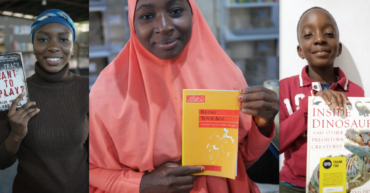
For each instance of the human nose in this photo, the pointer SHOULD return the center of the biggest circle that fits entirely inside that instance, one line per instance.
(53, 46)
(320, 38)
(164, 24)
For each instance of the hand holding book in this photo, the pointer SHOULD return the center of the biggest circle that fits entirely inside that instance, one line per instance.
(262, 104)
(335, 97)
(170, 177)
(18, 121)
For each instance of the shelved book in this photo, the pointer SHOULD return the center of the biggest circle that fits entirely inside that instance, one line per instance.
(338, 147)
(210, 131)
(12, 80)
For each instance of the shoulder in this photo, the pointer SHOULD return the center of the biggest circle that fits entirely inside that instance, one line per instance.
(81, 80)
(111, 81)
(289, 82)
(355, 90)
(82, 84)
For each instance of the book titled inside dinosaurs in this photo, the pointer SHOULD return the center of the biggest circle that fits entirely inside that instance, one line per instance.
(210, 131)
(338, 146)
(12, 80)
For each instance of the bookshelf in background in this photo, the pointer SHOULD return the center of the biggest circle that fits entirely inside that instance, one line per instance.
(2, 39)
(20, 41)
(108, 33)
(252, 1)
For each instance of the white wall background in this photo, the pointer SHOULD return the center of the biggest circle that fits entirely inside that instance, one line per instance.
(353, 22)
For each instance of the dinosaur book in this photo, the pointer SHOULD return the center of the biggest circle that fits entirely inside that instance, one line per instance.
(338, 147)
(12, 80)
(210, 131)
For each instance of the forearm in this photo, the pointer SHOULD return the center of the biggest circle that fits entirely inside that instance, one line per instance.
(7, 159)
(125, 180)
(292, 128)
(13, 143)
(255, 145)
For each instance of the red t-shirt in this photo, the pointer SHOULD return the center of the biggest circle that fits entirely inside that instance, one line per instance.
(294, 92)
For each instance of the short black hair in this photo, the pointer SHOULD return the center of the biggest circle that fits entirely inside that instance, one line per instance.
(312, 9)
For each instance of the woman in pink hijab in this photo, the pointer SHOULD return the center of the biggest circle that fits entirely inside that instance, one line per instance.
(136, 105)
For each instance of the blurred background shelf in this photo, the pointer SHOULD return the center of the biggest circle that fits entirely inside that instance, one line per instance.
(97, 6)
(260, 22)
(251, 34)
(109, 33)
(251, 4)
(100, 51)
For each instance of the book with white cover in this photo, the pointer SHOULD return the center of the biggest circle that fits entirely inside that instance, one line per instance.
(12, 80)
(334, 134)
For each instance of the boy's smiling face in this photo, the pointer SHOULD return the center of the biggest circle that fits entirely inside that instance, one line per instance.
(318, 38)
(163, 27)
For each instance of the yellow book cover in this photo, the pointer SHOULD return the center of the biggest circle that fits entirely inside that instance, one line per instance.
(210, 125)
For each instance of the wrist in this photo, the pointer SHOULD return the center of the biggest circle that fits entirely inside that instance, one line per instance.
(266, 130)
(15, 138)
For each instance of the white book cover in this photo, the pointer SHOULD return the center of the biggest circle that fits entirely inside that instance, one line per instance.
(12, 80)
(337, 134)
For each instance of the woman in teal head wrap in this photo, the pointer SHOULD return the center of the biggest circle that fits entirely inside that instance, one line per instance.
(48, 135)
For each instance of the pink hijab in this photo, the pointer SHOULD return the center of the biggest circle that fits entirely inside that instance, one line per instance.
(136, 108)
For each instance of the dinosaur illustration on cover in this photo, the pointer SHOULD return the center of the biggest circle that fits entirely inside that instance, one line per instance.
(357, 164)
(362, 110)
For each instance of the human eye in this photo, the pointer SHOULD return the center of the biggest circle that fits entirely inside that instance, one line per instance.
(42, 39)
(176, 11)
(330, 34)
(307, 36)
(146, 16)
(64, 39)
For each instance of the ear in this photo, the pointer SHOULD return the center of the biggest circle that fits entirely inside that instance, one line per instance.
(300, 52)
(339, 49)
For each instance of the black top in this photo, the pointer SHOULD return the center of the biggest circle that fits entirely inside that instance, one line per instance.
(53, 156)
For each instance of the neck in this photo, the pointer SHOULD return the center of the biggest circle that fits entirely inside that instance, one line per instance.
(323, 75)
(44, 77)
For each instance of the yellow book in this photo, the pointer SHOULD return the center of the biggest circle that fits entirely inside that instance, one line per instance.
(210, 125)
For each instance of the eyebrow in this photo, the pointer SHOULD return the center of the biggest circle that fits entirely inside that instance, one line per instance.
(170, 2)
(326, 25)
(149, 5)
(43, 32)
(60, 33)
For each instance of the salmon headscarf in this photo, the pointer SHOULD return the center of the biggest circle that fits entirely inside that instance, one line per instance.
(136, 108)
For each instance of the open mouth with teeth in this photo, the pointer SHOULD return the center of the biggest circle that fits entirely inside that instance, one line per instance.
(53, 59)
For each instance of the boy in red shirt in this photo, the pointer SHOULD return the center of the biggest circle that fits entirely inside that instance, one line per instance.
(318, 38)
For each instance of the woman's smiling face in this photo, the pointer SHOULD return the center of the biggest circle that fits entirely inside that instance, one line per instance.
(53, 46)
(163, 27)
